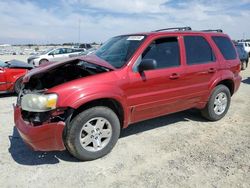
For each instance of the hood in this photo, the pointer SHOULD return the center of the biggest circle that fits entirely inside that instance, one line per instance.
(90, 59)
(18, 64)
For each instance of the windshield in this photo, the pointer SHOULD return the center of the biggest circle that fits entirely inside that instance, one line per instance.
(46, 51)
(118, 50)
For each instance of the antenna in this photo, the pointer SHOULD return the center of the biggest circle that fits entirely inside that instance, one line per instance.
(79, 31)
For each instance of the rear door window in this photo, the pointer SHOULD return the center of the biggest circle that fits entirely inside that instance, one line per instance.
(198, 50)
(225, 46)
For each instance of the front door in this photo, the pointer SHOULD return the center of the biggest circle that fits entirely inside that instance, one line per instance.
(157, 92)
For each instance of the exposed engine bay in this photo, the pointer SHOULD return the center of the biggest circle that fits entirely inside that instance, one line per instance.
(65, 73)
(39, 83)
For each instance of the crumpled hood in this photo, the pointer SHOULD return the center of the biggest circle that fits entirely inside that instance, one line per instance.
(90, 59)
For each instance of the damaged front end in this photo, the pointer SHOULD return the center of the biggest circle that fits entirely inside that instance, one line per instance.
(38, 117)
(38, 108)
(38, 104)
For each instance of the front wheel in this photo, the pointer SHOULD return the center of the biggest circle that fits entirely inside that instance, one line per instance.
(92, 133)
(218, 103)
(43, 61)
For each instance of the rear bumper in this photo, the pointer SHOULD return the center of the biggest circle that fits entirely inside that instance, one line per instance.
(46, 137)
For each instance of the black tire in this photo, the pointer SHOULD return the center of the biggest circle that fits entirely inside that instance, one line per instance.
(209, 112)
(243, 65)
(74, 130)
(18, 85)
(43, 61)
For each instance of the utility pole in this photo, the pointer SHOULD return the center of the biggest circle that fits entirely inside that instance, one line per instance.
(79, 31)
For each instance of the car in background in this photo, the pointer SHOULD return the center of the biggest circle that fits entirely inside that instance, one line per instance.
(246, 46)
(86, 52)
(83, 46)
(243, 55)
(11, 74)
(52, 55)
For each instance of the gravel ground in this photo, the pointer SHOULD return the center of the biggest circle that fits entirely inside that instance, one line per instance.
(179, 150)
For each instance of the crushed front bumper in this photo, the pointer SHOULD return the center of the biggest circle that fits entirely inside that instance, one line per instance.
(46, 137)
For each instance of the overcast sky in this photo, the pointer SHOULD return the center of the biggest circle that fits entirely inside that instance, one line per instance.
(57, 21)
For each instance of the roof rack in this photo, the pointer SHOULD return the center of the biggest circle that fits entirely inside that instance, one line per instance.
(213, 30)
(175, 28)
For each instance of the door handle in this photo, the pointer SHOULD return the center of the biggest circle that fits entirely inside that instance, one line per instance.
(174, 76)
(211, 70)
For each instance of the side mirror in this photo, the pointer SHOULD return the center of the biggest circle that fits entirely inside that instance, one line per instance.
(147, 64)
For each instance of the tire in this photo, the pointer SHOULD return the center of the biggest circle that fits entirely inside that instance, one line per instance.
(243, 65)
(215, 108)
(82, 133)
(43, 61)
(18, 85)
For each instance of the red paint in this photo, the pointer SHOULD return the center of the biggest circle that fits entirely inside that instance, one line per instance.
(47, 137)
(158, 92)
(8, 77)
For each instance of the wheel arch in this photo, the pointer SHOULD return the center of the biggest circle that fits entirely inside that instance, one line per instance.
(42, 59)
(111, 103)
(228, 83)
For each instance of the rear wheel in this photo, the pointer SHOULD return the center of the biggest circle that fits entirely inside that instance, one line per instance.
(92, 133)
(218, 103)
(18, 85)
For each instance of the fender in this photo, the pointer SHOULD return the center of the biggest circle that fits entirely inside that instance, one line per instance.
(224, 75)
(12, 77)
(88, 94)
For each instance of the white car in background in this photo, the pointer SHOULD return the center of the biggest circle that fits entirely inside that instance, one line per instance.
(246, 46)
(53, 55)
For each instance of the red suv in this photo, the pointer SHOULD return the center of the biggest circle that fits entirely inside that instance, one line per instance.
(83, 103)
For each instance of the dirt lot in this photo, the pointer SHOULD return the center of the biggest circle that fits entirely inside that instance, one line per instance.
(179, 150)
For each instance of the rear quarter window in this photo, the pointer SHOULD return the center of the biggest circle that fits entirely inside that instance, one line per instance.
(225, 46)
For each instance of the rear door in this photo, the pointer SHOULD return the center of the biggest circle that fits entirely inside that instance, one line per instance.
(58, 55)
(201, 66)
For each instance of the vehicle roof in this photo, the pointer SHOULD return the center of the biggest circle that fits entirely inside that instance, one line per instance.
(154, 33)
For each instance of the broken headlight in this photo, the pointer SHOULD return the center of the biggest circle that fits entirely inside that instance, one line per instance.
(39, 102)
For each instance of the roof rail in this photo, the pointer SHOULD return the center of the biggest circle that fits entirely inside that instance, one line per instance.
(175, 28)
(213, 30)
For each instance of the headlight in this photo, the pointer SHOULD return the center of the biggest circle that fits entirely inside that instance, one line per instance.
(39, 102)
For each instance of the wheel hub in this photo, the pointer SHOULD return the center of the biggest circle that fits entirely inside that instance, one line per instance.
(95, 134)
(220, 103)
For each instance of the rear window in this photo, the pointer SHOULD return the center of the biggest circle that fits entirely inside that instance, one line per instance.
(198, 51)
(226, 47)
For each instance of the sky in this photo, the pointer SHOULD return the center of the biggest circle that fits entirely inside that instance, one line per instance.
(59, 21)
